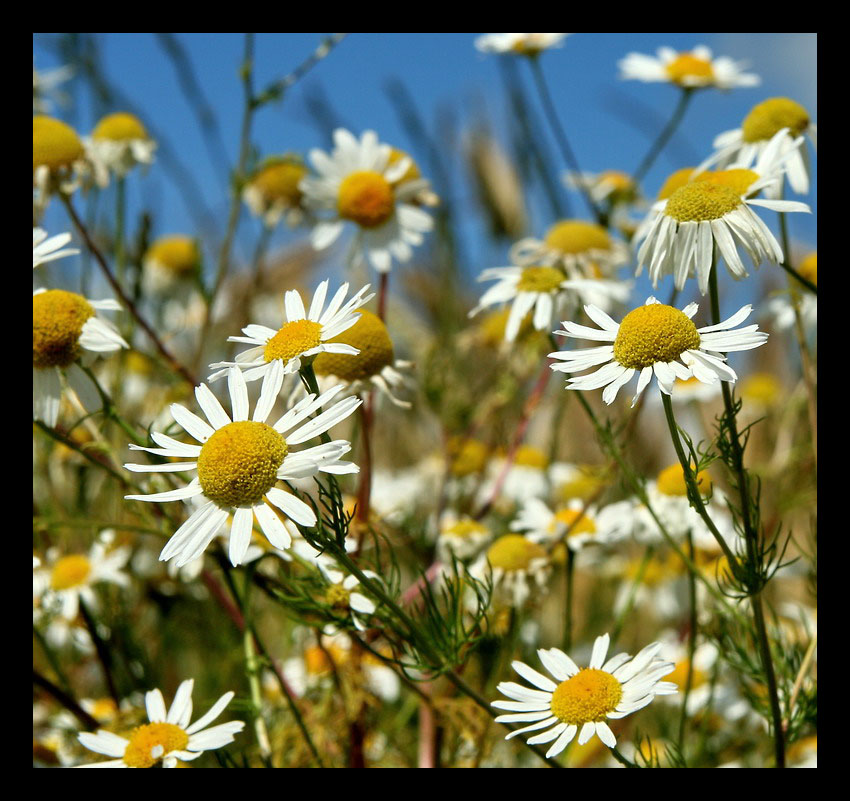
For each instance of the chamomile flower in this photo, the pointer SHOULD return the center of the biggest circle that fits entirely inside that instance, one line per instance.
(358, 182)
(374, 366)
(273, 192)
(460, 536)
(590, 526)
(170, 260)
(45, 250)
(514, 564)
(344, 597)
(695, 69)
(45, 87)
(654, 339)
(712, 214)
(614, 187)
(240, 461)
(580, 700)
(119, 142)
(782, 309)
(168, 738)
(776, 116)
(524, 44)
(302, 335)
(581, 249)
(66, 330)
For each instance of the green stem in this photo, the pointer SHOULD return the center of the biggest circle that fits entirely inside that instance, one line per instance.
(568, 606)
(630, 600)
(692, 644)
(664, 136)
(621, 759)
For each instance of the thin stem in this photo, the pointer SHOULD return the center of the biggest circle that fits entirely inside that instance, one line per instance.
(692, 644)
(664, 136)
(102, 652)
(630, 600)
(568, 602)
(88, 721)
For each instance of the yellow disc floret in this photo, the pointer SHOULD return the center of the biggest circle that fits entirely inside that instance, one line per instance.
(588, 697)
(338, 597)
(687, 69)
(177, 254)
(70, 571)
(514, 552)
(581, 524)
(701, 200)
(54, 144)
(576, 236)
(529, 456)
(238, 464)
(151, 742)
(540, 279)
(739, 180)
(654, 333)
(771, 116)
(120, 127)
(675, 181)
(412, 173)
(468, 456)
(679, 675)
(465, 529)
(761, 388)
(671, 481)
(370, 336)
(809, 268)
(293, 339)
(278, 182)
(58, 318)
(367, 198)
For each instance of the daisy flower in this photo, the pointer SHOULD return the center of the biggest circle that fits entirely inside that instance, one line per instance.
(374, 366)
(45, 250)
(240, 461)
(119, 142)
(524, 44)
(45, 87)
(303, 334)
(649, 341)
(344, 597)
(589, 526)
(580, 700)
(359, 183)
(65, 330)
(695, 69)
(776, 116)
(168, 738)
(614, 187)
(273, 192)
(782, 309)
(460, 536)
(513, 563)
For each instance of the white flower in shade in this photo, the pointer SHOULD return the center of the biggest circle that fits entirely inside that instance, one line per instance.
(360, 183)
(712, 215)
(580, 700)
(654, 339)
(65, 331)
(693, 69)
(119, 142)
(45, 250)
(302, 335)
(273, 192)
(610, 186)
(45, 87)
(777, 116)
(589, 526)
(460, 536)
(168, 738)
(343, 596)
(240, 461)
(581, 249)
(525, 44)
(170, 261)
(513, 563)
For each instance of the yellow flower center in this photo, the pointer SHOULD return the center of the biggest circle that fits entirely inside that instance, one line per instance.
(671, 481)
(58, 318)
(293, 339)
(54, 144)
(701, 200)
(316, 659)
(120, 127)
(540, 279)
(575, 236)
(588, 697)
(492, 327)
(470, 456)
(679, 676)
(70, 571)
(809, 268)
(238, 464)
(582, 524)
(412, 173)
(687, 65)
(279, 182)
(178, 254)
(771, 116)
(151, 742)
(622, 186)
(337, 596)
(675, 181)
(529, 456)
(762, 388)
(738, 180)
(658, 571)
(367, 198)
(103, 709)
(654, 333)
(370, 335)
(466, 529)
(514, 552)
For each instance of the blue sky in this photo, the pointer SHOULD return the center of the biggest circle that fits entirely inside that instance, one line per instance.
(447, 78)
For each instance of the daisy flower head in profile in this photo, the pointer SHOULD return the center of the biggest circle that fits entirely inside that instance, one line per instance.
(654, 339)
(119, 142)
(711, 214)
(344, 596)
(303, 335)
(523, 44)
(66, 332)
(273, 193)
(169, 737)
(359, 182)
(581, 700)
(170, 260)
(239, 462)
(776, 116)
(695, 69)
(514, 564)
(46, 249)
